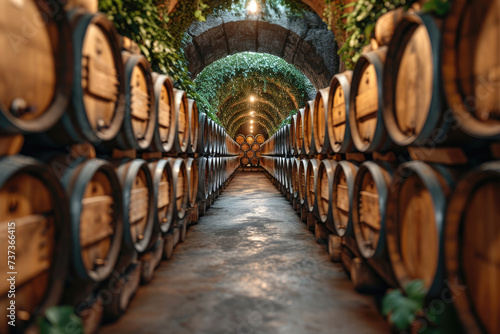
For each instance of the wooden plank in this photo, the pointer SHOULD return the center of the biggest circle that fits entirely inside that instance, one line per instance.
(140, 102)
(447, 156)
(163, 194)
(369, 210)
(164, 115)
(96, 220)
(367, 104)
(102, 79)
(343, 197)
(340, 115)
(139, 204)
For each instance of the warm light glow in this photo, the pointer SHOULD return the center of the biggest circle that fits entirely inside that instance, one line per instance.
(253, 7)
(252, 99)
(251, 121)
(253, 112)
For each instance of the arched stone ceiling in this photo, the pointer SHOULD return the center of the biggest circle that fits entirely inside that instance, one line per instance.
(302, 41)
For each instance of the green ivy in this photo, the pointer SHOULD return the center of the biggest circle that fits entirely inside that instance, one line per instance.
(230, 81)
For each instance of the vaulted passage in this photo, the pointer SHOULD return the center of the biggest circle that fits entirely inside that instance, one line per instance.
(249, 266)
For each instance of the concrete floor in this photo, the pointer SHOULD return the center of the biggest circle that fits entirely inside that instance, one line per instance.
(250, 266)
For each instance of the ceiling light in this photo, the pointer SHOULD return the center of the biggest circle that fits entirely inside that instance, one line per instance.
(253, 112)
(253, 7)
(252, 99)
(251, 121)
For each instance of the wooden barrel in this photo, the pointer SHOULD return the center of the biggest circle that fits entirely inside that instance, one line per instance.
(259, 138)
(289, 174)
(192, 177)
(308, 122)
(163, 138)
(311, 184)
(413, 106)
(325, 189)
(472, 250)
(386, 25)
(303, 181)
(161, 173)
(371, 192)
(299, 132)
(470, 66)
(339, 132)
(202, 127)
(139, 122)
(295, 177)
(245, 147)
(255, 147)
(240, 139)
(320, 122)
(97, 217)
(241, 153)
(254, 161)
(193, 126)
(288, 140)
(203, 179)
(36, 71)
(250, 154)
(181, 139)
(250, 139)
(35, 214)
(98, 93)
(415, 221)
(208, 136)
(365, 115)
(342, 193)
(180, 185)
(293, 136)
(211, 175)
(244, 161)
(139, 205)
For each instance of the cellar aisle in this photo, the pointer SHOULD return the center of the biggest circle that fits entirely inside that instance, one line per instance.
(250, 266)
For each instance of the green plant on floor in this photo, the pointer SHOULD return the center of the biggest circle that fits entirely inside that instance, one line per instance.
(409, 306)
(60, 320)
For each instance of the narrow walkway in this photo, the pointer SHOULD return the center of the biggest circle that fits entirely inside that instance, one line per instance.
(248, 267)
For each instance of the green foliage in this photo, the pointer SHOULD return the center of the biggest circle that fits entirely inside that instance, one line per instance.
(360, 24)
(145, 22)
(230, 81)
(402, 308)
(60, 320)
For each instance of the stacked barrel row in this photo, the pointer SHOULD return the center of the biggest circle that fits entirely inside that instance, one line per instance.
(394, 163)
(249, 152)
(105, 163)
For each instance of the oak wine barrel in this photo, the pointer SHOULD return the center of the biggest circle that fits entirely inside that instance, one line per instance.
(250, 154)
(342, 194)
(308, 128)
(299, 132)
(36, 72)
(325, 190)
(139, 205)
(244, 161)
(295, 177)
(163, 138)
(255, 147)
(139, 122)
(240, 139)
(202, 128)
(320, 122)
(293, 136)
(180, 186)
(98, 93)
(339, 131)
(161, 173)
(208, 136)
(193, 126)
(387, 24)
(33, 212)
(289, 175)
(181, 139)
(254, 161)
(192, 178)
(250, 139)
(365, 115)
(302, 181)
(415, 221)
(245, 147)
(311, 184)
(472, 252)
(470, 66)
(371, 192)
(412, 91)
(289, 139)
(241, 153)
(97, 218)
(203, 179)
(260, 138)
